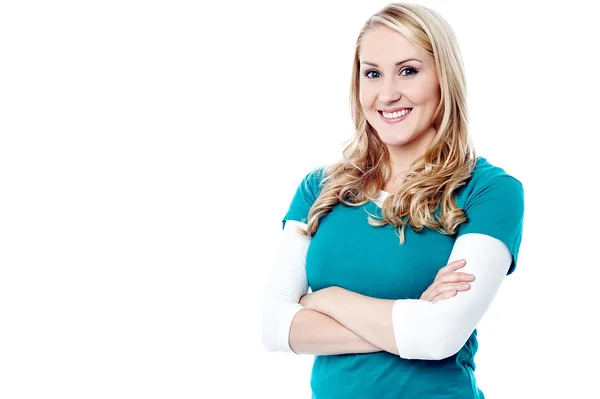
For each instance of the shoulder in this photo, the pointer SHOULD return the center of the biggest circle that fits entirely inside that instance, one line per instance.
(490, 181)
(493, 202)
(313, 180)
(486, 173)
(306, 194)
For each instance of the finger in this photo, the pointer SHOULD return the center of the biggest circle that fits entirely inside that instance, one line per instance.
(452, 289)
(444, 283)
(429, 297)
(429, 292)
(463, 287)
(455, 277)
(449, 277)
(441, 288)
(452, 266)
(445, 295)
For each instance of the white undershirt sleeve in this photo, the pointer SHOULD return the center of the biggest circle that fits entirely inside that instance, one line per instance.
(423, 330)
(287, 283)
(436, 330)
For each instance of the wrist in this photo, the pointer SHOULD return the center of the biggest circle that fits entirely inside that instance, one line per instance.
(329, 299)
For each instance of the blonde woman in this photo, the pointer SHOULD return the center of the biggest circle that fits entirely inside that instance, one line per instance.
(405, 241)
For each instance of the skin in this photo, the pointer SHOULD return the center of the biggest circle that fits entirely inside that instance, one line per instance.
(412, 84)
(371, 318)
(357, 323)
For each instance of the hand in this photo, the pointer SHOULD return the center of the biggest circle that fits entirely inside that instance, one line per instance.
(447, 283)
(315, 300)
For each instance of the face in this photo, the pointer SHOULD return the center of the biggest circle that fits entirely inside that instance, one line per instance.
(388, 83)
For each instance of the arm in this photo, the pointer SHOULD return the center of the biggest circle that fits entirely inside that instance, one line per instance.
(418, 329)
(284, 326)
(489, 241)
(315, 333)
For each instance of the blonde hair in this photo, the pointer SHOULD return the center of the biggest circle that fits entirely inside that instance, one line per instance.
(433, 177)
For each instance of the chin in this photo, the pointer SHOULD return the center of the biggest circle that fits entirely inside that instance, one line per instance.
(396, 139)
(397, 143)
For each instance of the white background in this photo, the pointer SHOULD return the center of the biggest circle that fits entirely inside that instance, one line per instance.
(150, 149)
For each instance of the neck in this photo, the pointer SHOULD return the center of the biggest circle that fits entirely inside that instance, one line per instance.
(402, 157)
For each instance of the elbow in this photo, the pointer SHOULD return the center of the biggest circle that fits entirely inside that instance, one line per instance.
(444, 346)
(268, 334)
(448, 340)
(272, 335)
(277, 316)
(436, 347)
(268, 342)
(426, 331)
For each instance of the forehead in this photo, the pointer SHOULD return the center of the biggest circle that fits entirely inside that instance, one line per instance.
(383, 45)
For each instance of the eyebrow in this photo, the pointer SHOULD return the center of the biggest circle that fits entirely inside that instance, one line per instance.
(397, 63)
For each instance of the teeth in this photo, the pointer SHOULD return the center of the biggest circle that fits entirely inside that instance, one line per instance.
(395, 115)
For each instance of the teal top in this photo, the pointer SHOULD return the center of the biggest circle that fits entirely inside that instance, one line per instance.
(348, 252)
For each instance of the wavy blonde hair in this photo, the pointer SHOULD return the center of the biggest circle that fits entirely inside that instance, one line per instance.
(433, 177)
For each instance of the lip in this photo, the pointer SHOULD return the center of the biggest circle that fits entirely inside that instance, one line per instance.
(394, 109)
(392, 121)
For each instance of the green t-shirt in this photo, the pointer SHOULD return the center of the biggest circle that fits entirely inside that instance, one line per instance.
(348, 252)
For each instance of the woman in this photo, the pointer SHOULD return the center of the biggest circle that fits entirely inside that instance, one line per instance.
(405, 241)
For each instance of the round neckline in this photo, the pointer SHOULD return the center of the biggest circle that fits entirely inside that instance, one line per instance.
(381, 196)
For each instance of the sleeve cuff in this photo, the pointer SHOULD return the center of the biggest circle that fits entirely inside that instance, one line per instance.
(288, 317)
(278, 313)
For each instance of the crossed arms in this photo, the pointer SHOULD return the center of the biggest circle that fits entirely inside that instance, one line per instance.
(348, 322)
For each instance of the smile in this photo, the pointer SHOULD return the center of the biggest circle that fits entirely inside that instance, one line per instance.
(394, 120)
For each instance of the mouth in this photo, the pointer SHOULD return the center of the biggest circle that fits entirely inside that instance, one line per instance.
(399, 116)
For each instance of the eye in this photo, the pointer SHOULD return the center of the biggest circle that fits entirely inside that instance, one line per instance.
(409, 69)
(413, 72)
(368, 72)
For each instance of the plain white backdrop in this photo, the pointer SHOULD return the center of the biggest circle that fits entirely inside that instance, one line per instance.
(149, 150)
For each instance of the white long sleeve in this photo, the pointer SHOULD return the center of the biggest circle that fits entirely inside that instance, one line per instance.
(287, 283)
(423, 329)
(436, 330)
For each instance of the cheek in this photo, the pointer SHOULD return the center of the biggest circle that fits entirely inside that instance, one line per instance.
(433, 95)
(363, 98)
(424, 93)
(366, 97)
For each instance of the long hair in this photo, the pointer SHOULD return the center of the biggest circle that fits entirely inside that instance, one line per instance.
(447, 162)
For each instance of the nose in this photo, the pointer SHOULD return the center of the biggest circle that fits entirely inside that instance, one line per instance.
(389, 91)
